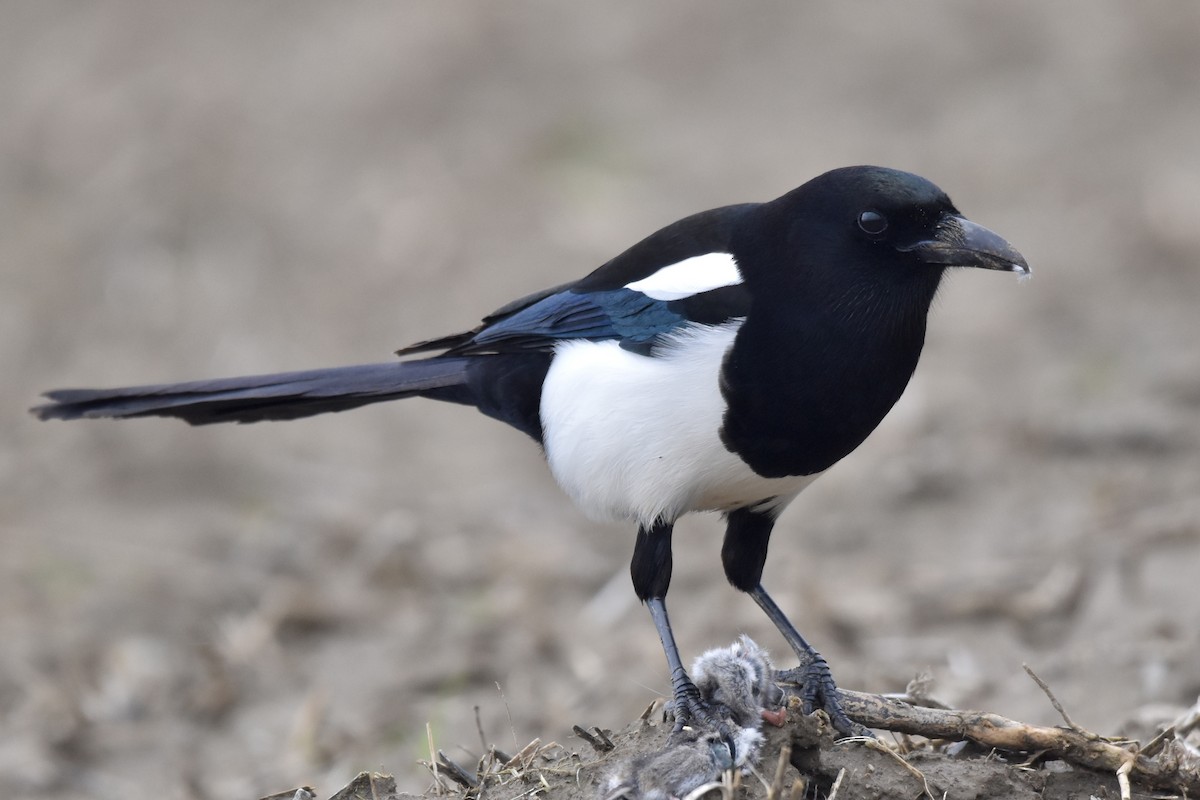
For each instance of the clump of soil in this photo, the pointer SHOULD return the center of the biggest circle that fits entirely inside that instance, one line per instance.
(805, 759)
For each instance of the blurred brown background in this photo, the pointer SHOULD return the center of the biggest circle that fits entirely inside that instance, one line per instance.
(198, 189)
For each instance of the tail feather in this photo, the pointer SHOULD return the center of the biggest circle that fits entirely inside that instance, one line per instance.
(285, 395)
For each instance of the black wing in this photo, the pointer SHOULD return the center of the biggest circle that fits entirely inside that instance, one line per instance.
(620, 300)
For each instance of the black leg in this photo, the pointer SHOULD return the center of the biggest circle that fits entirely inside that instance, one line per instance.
(743, 554)
(747, 534)
(684, 694)
(651, 571)
(651, 565)
(818, 689)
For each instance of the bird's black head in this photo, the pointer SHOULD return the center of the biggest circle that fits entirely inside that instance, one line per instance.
(863, 226)
(841, 273)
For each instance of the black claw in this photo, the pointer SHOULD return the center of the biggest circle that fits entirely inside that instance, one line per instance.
(690, 710)
(689, 706)
(818, 690)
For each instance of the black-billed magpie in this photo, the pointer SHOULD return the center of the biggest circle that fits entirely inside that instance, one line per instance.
(720, 364)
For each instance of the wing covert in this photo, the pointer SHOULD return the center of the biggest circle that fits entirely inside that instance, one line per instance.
(684, 273)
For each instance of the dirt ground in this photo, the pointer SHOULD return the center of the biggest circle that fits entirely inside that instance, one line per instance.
(201, 189)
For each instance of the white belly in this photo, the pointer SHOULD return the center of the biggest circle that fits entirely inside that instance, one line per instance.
(637, 438)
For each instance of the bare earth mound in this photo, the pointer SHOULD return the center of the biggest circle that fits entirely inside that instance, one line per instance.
(923, 751)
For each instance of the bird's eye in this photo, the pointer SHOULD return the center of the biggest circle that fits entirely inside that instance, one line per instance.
(872, 222)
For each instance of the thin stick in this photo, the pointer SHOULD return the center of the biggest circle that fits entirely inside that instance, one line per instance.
(700, 791)
(508, 713)
(1123, 778)
(602, 736)
(1155, 744)
(785, 758)
(837, 784)
(1062, 712)
(456, 772)
(875, 744)
(433, 760)
(599, 745)
(479, 727)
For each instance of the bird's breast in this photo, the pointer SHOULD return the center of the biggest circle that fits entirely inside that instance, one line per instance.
(631, 436)
(803, 392)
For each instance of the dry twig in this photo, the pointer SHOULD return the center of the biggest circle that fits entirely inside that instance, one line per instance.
(775, 790)
(1173, 768)
(878, 746)
(597, 738)
(456, 772)
(837, 784)
(1062, 712)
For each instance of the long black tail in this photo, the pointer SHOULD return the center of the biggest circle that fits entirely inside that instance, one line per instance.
(286, 395)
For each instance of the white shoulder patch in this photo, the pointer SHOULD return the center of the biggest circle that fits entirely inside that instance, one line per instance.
(688, 277)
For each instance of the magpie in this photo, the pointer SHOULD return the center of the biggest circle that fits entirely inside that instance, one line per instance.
(720, 364)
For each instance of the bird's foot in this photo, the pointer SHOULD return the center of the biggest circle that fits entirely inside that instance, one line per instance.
(689, 707)
(819, 691)
(692, 711)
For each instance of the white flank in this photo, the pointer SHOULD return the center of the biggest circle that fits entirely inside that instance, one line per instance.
(635, 437)
(690, 276)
